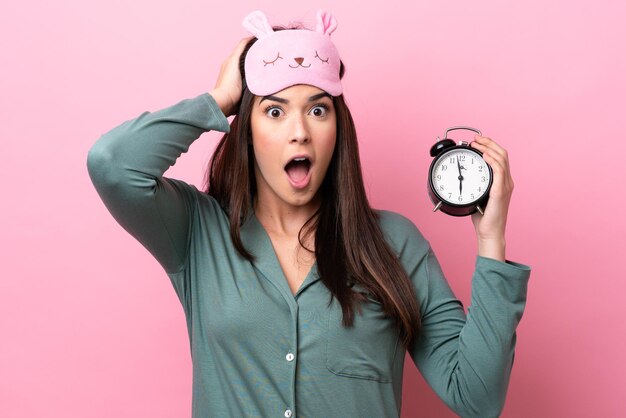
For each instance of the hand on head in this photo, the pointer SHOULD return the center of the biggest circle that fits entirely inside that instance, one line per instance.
(228, 87)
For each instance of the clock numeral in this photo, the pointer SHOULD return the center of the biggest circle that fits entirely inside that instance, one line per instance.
(449, 195)
(472, 161)
(483, 179)
(480, 168)
(441, 187)
(479, 189)
(451, 160)
(444, 167)
(460, 198)
(472, 196)
(462, 157)
(438, 176)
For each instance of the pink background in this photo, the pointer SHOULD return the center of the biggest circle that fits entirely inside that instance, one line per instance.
(89, 323)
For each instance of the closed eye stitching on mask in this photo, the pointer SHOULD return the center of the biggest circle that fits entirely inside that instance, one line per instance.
(323, 60)
(272, 62)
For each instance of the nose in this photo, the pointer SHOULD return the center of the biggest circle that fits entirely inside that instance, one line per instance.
(299, 130)
(299, 60)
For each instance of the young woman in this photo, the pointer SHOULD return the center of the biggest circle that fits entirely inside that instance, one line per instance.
(300, 299)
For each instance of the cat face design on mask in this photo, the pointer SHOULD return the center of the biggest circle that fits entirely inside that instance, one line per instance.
(297, 61)
(280, 59)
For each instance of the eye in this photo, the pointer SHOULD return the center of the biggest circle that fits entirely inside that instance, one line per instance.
(321, 59)
(319, 110)
(275, 59)
(274, 112)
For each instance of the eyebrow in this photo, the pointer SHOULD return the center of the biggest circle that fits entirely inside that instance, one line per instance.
(285, 101)
(319, 96)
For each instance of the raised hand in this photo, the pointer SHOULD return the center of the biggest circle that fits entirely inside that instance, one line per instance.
(228, 87)
(490, 227)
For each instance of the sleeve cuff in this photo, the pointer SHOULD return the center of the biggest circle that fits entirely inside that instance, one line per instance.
(495, 281)
(217, 117)
(507, 267)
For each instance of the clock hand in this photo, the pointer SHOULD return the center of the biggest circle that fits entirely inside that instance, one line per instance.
(458, 164)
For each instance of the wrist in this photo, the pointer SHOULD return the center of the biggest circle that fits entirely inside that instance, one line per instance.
(223, 101)
(492, 248)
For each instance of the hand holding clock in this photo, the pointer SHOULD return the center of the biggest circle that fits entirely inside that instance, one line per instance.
(490, 227)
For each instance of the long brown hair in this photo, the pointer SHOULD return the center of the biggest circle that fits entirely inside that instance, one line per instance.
(350, 245)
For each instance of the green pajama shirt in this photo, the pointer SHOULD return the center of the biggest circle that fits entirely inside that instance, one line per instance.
(257, 349)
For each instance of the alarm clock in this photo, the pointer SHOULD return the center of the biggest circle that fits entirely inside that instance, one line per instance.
(459, 179)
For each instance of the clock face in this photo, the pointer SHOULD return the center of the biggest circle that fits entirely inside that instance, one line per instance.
(460, 176)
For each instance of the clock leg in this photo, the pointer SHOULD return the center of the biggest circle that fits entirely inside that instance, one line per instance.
(437, 207)
(479, 209)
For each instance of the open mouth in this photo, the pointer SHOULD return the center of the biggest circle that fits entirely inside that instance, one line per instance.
(298, 168)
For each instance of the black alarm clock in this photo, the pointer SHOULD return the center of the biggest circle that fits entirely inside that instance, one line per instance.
(459, 179)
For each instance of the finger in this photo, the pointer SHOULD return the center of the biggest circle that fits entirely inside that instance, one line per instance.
(242, 43)
(241, 46)
(484, 144)
(497, 163)
(494, 161)
(501, 173)
(502, 157)
(490, 143)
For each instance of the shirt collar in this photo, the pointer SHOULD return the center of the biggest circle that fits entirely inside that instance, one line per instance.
(256, 240)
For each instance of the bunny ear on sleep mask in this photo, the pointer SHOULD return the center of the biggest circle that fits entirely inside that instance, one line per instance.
(326, 22)
(257, 24)
(283, 58)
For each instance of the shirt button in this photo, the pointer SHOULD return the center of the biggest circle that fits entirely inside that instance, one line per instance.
(289, 357)
(288, 413)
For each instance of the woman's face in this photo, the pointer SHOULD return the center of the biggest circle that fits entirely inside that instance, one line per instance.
(293, 136)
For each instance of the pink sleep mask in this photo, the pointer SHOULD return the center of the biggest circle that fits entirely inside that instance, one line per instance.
(284, 58)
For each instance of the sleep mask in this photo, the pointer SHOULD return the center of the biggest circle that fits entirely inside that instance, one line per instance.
(280, 59)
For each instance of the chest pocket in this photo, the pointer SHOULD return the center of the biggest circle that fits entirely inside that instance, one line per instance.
(366, 350)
